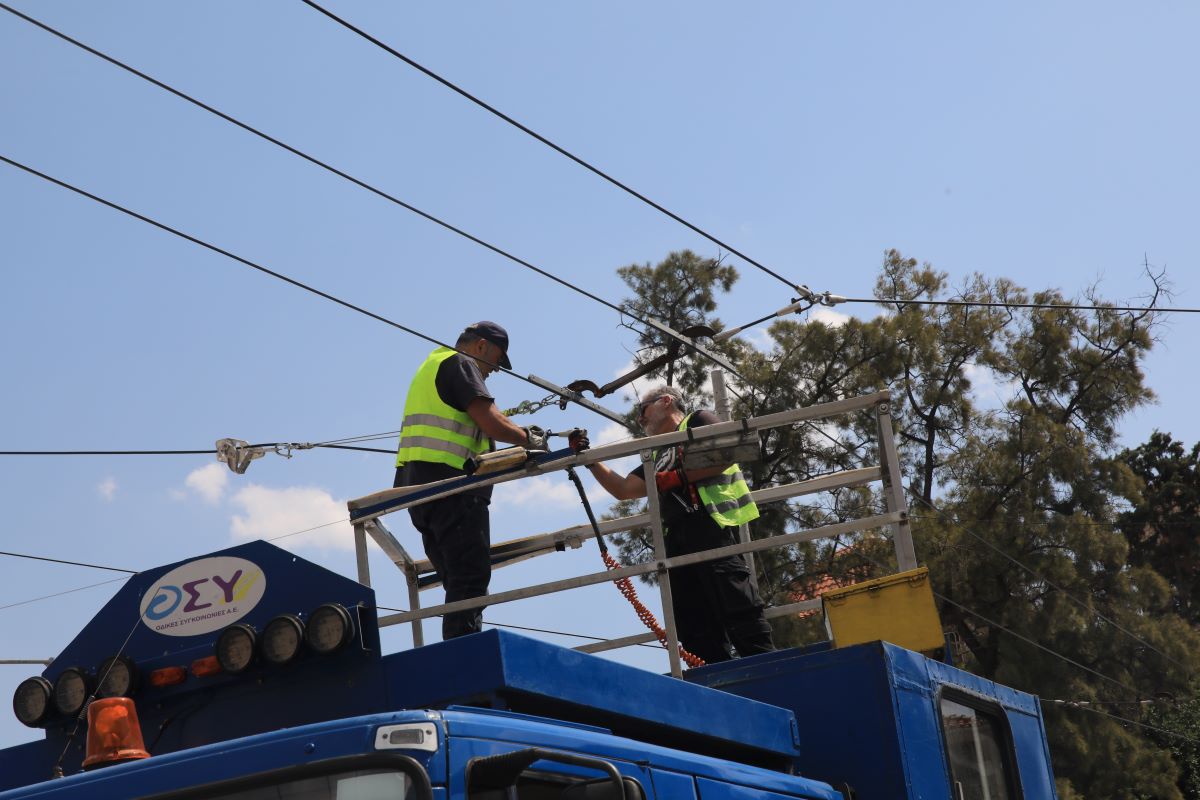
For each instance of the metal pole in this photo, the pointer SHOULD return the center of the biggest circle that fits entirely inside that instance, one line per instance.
(721, 401)
(414, 602)
(720, 395)
(893, 490)
(660, 553)
(360, 555)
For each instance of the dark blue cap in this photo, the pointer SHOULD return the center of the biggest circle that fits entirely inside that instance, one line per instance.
(493, 333)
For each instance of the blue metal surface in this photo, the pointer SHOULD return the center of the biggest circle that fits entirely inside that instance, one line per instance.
(510, 671)
(219, 707)
(226, 760)
(462, 735)
(869, 717)
(523, 731)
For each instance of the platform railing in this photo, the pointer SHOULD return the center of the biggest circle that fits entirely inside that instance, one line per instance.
(366, 513)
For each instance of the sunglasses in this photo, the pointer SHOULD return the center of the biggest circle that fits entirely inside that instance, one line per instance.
(642, 406)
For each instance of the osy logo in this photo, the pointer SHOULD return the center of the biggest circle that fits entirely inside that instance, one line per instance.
(203, 596)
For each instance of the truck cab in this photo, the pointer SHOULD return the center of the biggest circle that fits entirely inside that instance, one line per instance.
(242, 690)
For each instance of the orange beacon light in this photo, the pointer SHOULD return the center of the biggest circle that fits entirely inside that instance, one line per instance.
(114, 734)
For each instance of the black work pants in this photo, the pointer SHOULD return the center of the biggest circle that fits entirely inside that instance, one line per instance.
(716, 606)
(457, 536)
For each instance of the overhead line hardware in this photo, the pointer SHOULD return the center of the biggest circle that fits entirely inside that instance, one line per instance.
(572, 396)
(313, 160)
(667, 357)
(562, 151)
(998, 304)
(807, 300)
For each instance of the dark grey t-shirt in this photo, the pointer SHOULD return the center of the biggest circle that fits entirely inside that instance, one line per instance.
(458, 383)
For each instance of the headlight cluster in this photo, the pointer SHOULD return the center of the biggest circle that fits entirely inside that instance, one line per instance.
(330, 628)
(37, 700)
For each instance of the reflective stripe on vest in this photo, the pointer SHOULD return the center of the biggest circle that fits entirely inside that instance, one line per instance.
(726, 497)
(433, 430)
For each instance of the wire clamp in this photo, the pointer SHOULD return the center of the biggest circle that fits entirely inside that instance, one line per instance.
(237, 454)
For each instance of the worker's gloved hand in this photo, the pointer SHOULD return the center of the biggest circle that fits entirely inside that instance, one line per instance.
(578, 441)
(668, 481)
(536, 438)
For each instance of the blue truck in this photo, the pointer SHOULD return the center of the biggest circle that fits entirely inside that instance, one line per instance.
(251, 673)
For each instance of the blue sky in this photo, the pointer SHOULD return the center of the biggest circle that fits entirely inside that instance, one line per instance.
(1053, 144)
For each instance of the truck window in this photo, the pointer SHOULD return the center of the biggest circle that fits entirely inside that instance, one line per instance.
(365, 784)
(977, 751)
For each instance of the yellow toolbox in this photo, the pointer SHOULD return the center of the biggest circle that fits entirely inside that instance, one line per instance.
(898, 609)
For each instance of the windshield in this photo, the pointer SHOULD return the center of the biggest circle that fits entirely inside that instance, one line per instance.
(367, 784)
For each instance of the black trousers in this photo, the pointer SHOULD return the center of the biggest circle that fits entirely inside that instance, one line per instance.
(716, 606)
(457, 536)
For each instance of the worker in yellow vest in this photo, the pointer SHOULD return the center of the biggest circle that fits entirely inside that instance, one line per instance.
(449, 416)
(716, 605)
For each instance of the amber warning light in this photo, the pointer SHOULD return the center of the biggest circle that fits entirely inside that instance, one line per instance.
(114, 735)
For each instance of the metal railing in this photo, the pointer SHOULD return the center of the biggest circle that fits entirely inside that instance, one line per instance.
(366, 513)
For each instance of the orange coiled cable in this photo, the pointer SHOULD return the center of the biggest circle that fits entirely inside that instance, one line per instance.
(625, 585)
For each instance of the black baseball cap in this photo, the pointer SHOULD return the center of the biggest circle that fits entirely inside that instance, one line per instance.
(493, 333)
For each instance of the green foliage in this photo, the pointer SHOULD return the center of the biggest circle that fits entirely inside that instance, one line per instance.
(1015, 492)
(1163, 527)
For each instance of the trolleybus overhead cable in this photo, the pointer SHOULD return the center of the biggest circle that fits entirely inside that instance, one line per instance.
(1001, 304)
(63, 561)
(567, 395)
(562, 151)
(649, 323)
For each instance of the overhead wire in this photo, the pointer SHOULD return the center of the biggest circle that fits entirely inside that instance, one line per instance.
(1030, 570)
(247, 262)
(465, 234)
(178, 452)
(340, 173)
(63, 561)
(562, 151)
(534, 630)
(60, 594)
(1000, 304)
(1083, 707)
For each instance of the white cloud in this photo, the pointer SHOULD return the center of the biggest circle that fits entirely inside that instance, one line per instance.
(541, 492)
(107, 489)
(760, 338)
(209, 482)
(834, 319)
(990, 393)
(268, 513)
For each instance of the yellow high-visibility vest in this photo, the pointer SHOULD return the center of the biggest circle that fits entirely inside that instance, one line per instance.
(432, 430)
(726, 497)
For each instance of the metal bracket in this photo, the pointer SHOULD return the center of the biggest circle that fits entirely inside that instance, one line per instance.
(577, 398)
(718, 359)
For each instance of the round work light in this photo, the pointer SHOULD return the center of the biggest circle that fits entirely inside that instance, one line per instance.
(330, 628)
(71, 691)
(281, 639)
(31, 701)
(235, 648)
(118, 677)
